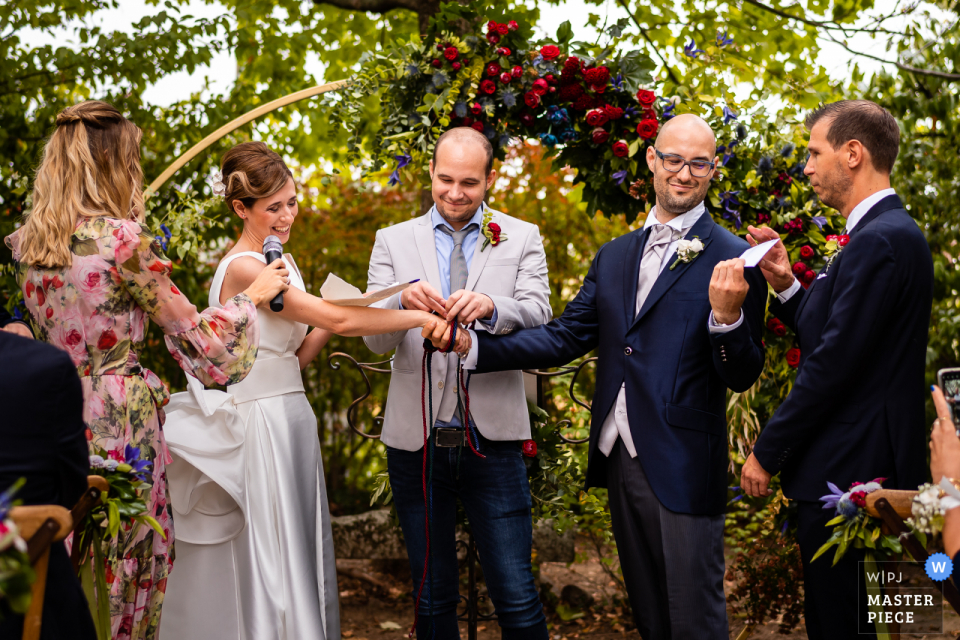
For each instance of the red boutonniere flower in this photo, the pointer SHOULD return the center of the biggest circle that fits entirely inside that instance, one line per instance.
(492, 233)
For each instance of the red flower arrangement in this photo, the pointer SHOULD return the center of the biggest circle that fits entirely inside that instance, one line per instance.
(806, 252)
(599, 135)
(597, 118)
(532, 99)
(488, 87)
(550, 52)
(621, 149)
(451, 53)
(793, 357)
(647, 128)
(493, 69)
(646, 98)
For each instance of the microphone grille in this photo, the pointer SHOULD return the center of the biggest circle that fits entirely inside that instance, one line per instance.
(272, 243)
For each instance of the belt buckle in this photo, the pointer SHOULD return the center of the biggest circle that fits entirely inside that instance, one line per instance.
(448, 437)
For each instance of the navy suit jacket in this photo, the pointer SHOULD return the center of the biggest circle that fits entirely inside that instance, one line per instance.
(856, 411)
(42, 439)
(676, 372)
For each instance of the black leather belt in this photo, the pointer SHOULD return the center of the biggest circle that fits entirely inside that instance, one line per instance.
(449, 437)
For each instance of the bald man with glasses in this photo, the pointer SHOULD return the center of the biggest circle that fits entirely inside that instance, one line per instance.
(672, 335)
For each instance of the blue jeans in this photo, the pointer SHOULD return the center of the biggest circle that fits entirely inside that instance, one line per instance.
(496, 498)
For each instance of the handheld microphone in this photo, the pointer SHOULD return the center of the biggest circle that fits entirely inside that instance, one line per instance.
(272, 251)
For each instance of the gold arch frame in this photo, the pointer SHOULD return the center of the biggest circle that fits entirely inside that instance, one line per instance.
(236, 124)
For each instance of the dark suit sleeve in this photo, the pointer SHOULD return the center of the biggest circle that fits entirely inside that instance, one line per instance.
(72, 461)
(863, 299)
(738, 355)
(554, 344)
(786, 312)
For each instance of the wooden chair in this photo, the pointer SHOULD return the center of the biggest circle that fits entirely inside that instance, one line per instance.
(40, 526)
(96, 486)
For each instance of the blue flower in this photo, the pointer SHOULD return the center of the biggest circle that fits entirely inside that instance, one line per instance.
(509, 99)
(460, 109)
(797, 169)
(618, 82)
(728, 115)
(568, 135)
(619, 176)
(402, 161)
(140, 468)
(538, 60)
(557, 115)
(548, 139)
(723, 39)
(788, 150)
(731, 207)
(846, 507)
(18, 312)
(413, 70)
(831, 500)
(727, 157)
(632, 111)
(819, 221)
(439, 79)
(741, 132)
(765, 164)
(668, 113)
(164, 240)
(691, 49)
(490, 132)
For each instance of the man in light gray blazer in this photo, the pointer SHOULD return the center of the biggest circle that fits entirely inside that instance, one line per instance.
(502, 286)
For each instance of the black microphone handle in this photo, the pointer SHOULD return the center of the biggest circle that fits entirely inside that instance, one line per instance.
(276, 304)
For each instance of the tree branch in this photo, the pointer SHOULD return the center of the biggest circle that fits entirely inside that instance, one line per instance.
(898, 65)
(818, 23)
(643, 32)
(374, 6)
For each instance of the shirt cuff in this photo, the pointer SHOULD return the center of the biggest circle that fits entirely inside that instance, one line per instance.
(470, 362)
(492, 322)
(789, 292)
(723, 328)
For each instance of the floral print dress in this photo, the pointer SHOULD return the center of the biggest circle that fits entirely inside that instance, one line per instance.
(96, 310)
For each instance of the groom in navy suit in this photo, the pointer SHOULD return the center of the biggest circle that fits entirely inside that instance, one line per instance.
(856, 411)
(673, 335)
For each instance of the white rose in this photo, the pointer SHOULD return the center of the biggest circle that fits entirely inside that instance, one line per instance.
(696, 245)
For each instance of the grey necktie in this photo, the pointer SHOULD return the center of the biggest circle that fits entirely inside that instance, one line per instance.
(458, 262)
(659, 239)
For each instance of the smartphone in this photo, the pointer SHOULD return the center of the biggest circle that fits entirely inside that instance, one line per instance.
(949, 382)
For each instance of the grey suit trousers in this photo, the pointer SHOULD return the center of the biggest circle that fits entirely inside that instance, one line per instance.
(672, 563)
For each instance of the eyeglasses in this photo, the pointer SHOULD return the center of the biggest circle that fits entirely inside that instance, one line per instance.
(674, 164)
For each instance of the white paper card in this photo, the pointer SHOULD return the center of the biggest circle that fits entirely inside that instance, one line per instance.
(754, 255)
(338, 291)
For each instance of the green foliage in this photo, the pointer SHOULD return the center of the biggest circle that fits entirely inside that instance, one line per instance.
(16, 574)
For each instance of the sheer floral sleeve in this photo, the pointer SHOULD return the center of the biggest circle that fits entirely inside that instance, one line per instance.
(218, 346)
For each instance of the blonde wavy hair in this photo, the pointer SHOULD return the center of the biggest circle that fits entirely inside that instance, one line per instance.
(90, 168)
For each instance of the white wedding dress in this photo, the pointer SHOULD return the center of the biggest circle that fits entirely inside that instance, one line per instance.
(254, 548)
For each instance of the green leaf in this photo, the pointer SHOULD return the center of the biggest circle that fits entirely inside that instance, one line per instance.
(564, 33)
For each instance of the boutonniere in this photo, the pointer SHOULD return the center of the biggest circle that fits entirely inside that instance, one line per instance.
(832, 249)
(687, 251)
(492, 233)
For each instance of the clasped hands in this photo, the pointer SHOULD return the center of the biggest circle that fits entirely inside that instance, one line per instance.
(462, 307)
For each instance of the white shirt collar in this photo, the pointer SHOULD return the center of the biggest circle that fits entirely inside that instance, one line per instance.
(681, 223)
(865, 205)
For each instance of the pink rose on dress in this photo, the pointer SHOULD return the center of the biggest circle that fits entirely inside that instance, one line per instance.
(69, 335)
(128, 241)
(90, 279)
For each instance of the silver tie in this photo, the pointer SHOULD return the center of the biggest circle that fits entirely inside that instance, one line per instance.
(458, 262)
(659, 239)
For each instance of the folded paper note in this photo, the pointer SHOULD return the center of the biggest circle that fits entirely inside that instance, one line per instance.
(754, 255)
(337, 291)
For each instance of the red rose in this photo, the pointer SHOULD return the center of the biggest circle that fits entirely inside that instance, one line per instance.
(456, 66)
(451, 53)
(806, 252)
(436, 62)
(478, 126)
(491, 26)
(529, 448)
(532, 99)
(646, 98)
(570, 92)
(599, 135)
(649, 114)
(571, 64)
(517, 71)
(488, 87)
(550, 52)
(597, 118)
(504, 51)
(505, 77)
(493, 69)
(467, 121)
(799, 268)
(527, 119)
(613, 113)
(553, 89)
(583, 102)
(647, 128)
(476, 109)
(73, 338)
(809, 276)
(540, 86)
(843, 240)
(832, 237)
(502, 29)
(621, 149)
(597, 76)
(772, 324)
(107, 340)
(29, 289)
(512, 25)
(493, 38)
(793, 357)
(439, 47)
(495, 232)
(781, 330)
(41, 297)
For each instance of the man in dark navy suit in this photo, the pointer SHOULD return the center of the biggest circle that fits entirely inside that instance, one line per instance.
(42, 436)
(673, 335)
(856, 411)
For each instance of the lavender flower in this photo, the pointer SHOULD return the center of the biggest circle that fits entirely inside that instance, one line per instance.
(402, 161)
(619, 176)
(731, 207)
(139, 468)
(765, 164)
(723, 39)
(164, 240)
(728, 115)
(788, 150)
(509, 98)
(691, 50)
(819, 221)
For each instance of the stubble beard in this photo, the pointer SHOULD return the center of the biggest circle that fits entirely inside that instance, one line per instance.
(467, 215)
(672, 205)
(835, 187)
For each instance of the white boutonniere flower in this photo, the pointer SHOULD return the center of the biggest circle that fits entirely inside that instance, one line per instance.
(687, 251)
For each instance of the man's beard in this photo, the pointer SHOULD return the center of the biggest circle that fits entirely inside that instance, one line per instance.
(465, 217)
(670, 203)
(834, 188)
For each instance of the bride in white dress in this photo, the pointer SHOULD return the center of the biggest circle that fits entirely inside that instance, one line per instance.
(254, 551)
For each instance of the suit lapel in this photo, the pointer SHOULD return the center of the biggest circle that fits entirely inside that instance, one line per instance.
(480, 257)
(667, 278)
(887, 204)
(631, 271)
(427, 249)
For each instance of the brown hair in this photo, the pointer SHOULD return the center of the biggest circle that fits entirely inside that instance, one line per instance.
(466, 133)
(90, 168)
(867, 122)
(252, 171)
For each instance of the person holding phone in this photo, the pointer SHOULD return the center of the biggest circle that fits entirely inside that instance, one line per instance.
(945, 463)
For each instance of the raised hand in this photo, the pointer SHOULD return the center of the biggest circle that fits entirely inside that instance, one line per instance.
(776, 264)
(944, 444)
(421, 295)
(466, 306)
(728, 289)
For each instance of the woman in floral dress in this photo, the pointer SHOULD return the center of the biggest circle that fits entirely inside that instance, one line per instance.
(91, 276)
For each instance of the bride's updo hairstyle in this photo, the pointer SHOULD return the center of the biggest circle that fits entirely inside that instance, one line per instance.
(251, 170)
(90, 167)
